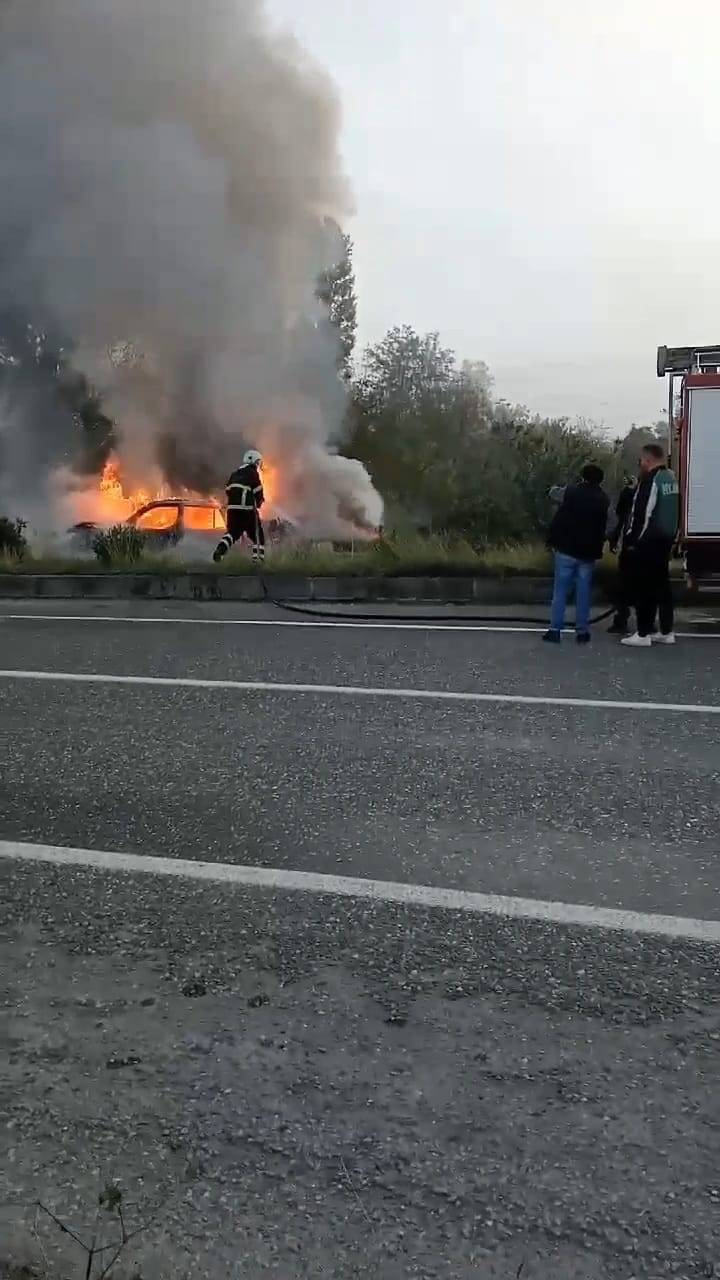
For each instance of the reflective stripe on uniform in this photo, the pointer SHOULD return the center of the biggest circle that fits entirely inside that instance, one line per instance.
(246, 493)
(247, 501)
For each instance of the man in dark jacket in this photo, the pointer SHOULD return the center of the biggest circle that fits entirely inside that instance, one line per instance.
(625, 597)
(649, 539)
(245, 497)
(577, 536)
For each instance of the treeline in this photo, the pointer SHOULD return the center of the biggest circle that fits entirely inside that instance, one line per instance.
(444, 452)
(447, 455)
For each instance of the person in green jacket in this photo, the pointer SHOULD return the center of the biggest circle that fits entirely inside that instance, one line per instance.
(649, 540)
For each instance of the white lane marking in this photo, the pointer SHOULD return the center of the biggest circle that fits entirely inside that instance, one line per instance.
(343, 622)
(417, 895)
(271, 622)
(359, 691)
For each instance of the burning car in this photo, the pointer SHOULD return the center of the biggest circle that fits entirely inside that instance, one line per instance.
(195, 522)
(170, 518)
(165, 522)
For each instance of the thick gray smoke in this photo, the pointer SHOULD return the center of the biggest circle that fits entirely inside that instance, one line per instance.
(170, 172)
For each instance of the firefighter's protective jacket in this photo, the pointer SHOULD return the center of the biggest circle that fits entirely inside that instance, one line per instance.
(655, 509)
(244, 490)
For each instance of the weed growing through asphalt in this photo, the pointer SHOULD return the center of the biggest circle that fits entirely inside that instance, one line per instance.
(111, 1234)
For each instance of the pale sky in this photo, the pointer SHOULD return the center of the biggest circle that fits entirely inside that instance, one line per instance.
(536, 179)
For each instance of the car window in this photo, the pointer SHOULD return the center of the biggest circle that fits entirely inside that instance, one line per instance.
(158, 518)
(199, 519)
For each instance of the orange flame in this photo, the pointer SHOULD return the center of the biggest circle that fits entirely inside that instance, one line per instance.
(269, 478)
(111, 503)
(114, 503)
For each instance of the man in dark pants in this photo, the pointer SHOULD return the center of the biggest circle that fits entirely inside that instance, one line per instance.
(649, 541)
(625, 589)
(245, 497)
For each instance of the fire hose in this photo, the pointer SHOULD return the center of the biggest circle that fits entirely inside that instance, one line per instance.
(338, 616)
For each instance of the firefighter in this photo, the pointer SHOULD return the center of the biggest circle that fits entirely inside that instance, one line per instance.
(245, 497)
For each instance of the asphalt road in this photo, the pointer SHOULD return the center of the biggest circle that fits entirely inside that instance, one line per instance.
(314, 1086)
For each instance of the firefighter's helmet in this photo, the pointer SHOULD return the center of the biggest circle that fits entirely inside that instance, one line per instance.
(252, 458)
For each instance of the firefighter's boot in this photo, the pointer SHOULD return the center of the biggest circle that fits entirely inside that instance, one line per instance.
(222, 548)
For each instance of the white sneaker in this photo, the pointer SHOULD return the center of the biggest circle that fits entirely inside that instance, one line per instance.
(659, 638)
(637, 642)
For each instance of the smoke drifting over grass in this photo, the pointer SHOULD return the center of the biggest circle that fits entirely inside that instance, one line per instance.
(170, 173)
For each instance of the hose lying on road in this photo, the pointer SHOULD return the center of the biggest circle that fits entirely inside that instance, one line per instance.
(339, 616)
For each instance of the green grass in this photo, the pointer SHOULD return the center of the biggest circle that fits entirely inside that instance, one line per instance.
(528, 559)
(411, 555)
(414, 555)
(80, 565)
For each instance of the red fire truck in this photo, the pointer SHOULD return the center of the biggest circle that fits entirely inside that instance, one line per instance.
(694, 417)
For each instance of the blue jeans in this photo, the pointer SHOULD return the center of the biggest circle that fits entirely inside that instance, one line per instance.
(571, 573)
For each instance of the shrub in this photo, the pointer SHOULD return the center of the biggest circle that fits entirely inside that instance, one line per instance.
(12, 539)
(122, 544)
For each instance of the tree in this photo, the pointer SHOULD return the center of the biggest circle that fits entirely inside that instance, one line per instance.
(413, 419)
(629, 447)
(406, 370)
(545, 452)
(336, 289)
(477, 374)
(441, 450)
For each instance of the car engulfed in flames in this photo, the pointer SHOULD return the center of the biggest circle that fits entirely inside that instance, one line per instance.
(169, 520)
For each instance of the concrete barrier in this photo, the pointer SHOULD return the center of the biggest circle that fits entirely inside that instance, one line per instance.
(247, 587)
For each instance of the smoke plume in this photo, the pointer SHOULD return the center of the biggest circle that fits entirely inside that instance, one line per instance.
(171, 185)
